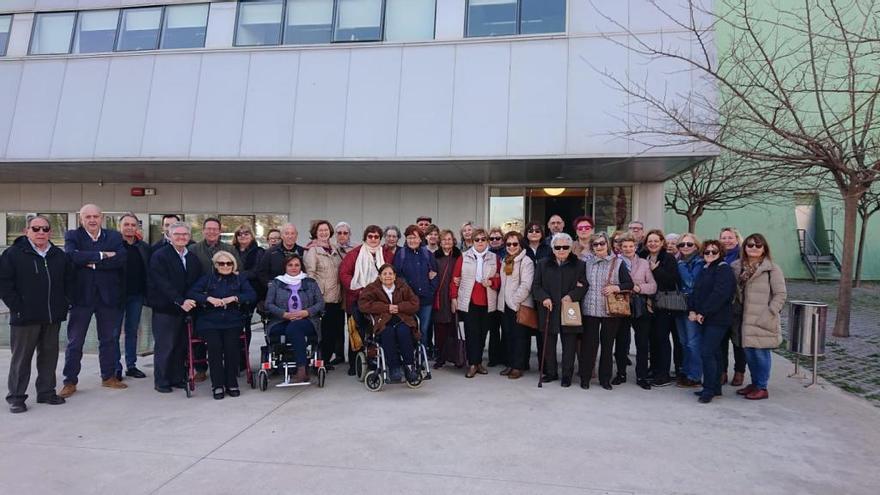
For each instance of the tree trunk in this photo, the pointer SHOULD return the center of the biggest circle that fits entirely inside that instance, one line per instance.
(844, 292)
(862, 232)
(692, 223)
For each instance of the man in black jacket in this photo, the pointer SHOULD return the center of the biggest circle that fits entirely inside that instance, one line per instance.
(173, 270)
(167, 220)
(36, 282)
(272, 263)
(136, 269)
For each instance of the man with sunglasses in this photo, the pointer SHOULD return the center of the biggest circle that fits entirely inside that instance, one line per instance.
(36, 283)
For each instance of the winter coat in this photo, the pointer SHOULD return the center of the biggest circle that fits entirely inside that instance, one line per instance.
(444, 312)
(762, 301)
(516, 288)
(640, 273)
(272, 263)
(105, 283)
(323, 266)
(713, 293)
(205, 253)
(233, 316)
(346, 274)
(250, 261)
(466, 290)
(168, 281)
(143, 250)
(666, 274)
(278, 295)
(413, 267)
(374, 301)
(543, 251)
(554, 281)
(37, 290)
(596, 268)
(688, 271)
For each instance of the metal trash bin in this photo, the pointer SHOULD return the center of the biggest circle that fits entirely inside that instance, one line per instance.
(804, 317)
(806, 333)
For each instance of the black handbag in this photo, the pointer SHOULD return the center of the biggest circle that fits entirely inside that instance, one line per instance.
(671, 300)
(638, 305)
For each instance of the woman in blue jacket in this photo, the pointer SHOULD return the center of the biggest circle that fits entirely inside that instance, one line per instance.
(418, 267)
(223, 297)
(689, 267)
(710, 307)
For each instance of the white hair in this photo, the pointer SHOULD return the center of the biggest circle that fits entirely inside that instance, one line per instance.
(562, 236)
(342, 224)
(178, 225)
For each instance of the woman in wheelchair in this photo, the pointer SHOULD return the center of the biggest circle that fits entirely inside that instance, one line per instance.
(295, 303)
(221, 296)
(393, 305)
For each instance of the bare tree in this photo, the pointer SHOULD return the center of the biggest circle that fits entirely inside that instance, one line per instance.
(868, 205)
(797, 88)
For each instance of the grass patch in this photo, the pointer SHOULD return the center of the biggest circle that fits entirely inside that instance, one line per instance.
(853, 389)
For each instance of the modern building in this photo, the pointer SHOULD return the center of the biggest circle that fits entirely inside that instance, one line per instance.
(369, 111)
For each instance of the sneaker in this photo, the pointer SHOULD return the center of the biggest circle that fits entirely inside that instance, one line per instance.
(53, 400)
(133, 372)
(112, 382)
(67, 390)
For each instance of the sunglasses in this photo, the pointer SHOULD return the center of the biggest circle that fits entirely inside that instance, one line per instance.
(373, 236)
(223, 263)
(599, 243)
(710, 252)
(35, 228)
(480, 239)
(494, 238)
(582, 228)
(757, 245)
(512, 244)
(686, 244)
(534, 231)
(341, 232)
(562, 248)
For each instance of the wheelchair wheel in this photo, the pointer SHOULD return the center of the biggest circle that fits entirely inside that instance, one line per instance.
(360, 365)
(417, 382)
(374, 381)
(264, 380)
(322, 375)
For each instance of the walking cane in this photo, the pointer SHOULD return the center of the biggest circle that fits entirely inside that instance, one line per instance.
(544, 351)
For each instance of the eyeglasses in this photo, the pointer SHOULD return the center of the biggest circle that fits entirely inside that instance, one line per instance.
(494, 238)
(562, 248)
(223, 263)
(35, 228)
(341, 232)
(480, 239)
(686, 244)
(373, 236)
(512, 244)
(599, 243)
(710, 252)
(754, 245)
(582, 228)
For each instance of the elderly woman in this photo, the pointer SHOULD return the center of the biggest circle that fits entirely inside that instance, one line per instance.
(391, 234)
(474, 292)
(393, 305)
(730, 241)
(761, 294)
(496, 345)
(606, 275)
(560, 279)
(644, 288)
(664, 270)
(583, 226)
(517, 275)
(343, 238)
(709, 307)
(249, 253)
(689, 267)
(444, 311)
(295, 303)
(221, 295)
(273, 237)
(672, 244)
(322, 260)
(418, 267)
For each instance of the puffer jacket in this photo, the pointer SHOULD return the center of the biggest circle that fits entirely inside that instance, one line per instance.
(762, 300)
(323, 266)
(516, 288)
(309, 294)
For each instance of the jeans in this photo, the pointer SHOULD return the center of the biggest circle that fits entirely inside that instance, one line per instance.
(108, 346)
(690, 337)
(130, 320)
(739, 357)
(295, 332)
(759, 366)
(397, 343)
(425, 327)
(711, 358)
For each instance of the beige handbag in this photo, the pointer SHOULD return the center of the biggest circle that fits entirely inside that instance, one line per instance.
(617, 305)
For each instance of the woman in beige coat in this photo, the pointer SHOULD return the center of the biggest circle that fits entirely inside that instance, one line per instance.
(322, 260)
(761, 294)
(517, 273)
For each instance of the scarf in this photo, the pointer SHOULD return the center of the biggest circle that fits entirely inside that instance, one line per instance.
(291, 279)
(366, 267)
(508, 264)
(319, 243)
(478, 276)
(748, 270)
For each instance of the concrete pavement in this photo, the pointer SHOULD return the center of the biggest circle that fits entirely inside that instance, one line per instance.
(485, 435)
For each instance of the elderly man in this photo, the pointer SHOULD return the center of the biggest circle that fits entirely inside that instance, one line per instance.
(36, 282)
(637, 230)
(100, 258)
(136, 269)
(167, 220)
(272, 263)
(173, 270)
(555, 225)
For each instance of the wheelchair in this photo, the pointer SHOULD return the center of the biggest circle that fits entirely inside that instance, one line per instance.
(278, 355)
(372, 369)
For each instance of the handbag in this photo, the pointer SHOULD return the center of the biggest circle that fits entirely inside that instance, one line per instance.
(670, 300)
(570, 314)
(617, 304)
(638, 305)
(527, 317)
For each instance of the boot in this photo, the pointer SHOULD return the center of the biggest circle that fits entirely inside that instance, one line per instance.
(737, 379)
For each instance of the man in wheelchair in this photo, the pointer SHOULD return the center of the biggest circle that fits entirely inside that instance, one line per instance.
(294, 303)
(392, 306)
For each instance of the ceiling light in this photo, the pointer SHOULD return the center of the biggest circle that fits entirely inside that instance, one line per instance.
(554, 191)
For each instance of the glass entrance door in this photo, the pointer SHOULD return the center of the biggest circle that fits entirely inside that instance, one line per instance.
(512, 207)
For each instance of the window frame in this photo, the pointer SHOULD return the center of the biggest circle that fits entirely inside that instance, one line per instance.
(381, 37)
(280, 42)
(34, 32)
(433, 32)
(76, 24)
(158, 37)
(163, 25)
(5, 47)
(467, 14)
(332, 26)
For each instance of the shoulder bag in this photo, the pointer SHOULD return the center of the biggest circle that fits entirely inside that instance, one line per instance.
(617, 304)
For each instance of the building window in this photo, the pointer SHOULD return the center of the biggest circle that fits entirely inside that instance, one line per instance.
(259, 22)
(308, 21)
(16, 222)
(185, 26)
(96, 31)
(52, 33)
(139, 29)
(358, 20)
(409, 20)
(508, 17)
(5, 25)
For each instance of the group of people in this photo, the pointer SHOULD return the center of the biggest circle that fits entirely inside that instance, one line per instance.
(510, 286)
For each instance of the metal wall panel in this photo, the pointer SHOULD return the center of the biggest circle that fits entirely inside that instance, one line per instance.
(479, 121)
(220, 105)
(79, 111)
(10, 76)
(121, 128)
(322, 88)
(538, 84)
(373, 101)
(271, 100)
(37, 107)
(169, 123)
(425, 116)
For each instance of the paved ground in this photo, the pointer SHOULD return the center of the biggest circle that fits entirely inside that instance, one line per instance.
(486, 435)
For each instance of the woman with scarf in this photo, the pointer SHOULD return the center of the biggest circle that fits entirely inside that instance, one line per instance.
(322, 261)
(606, 274)
(730, 241)
(517, 274)
(474, 292)
(294, 302)
(760, 294)
(359, 268)
(689, 267)
(444, 312)
(644, 288)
